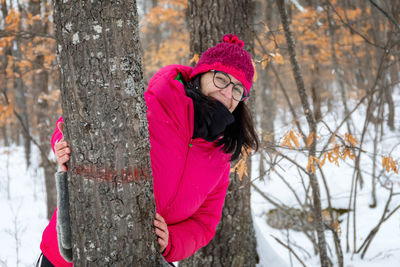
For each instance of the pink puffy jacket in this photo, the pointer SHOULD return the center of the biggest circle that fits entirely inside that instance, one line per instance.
(190, 176)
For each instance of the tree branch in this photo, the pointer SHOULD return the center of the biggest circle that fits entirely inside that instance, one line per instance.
(290, 249)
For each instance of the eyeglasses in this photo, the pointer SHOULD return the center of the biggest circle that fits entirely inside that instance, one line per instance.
(222, 81)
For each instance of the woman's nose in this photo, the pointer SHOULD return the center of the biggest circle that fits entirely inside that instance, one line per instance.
(227, 92)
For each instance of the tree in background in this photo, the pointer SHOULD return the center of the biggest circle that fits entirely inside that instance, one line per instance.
(208, 22)
(165, 36)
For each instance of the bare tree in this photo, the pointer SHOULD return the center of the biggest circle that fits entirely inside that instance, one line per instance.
(312, 127)
(234, 243)
(20, 91)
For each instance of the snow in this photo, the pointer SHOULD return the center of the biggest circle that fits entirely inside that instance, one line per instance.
(24, 214)
(267, 253)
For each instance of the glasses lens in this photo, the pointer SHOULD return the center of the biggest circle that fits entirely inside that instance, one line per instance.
(237, 92)
(221, 80)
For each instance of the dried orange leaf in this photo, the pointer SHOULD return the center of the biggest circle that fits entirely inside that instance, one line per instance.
(264, 61)
(310, 165)
(326, 215)
(310, 138)
(351, 139)
(336, 226)
(323, 160)
(390, 164)
(255, 71)
(195, 58)
(293, 137)
(278, 58)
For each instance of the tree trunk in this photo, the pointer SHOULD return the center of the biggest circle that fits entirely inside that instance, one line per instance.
(312, 126)
(234, 243)
(20, 98)
(210, 20)
(4, 62)
(4, 135)
(110, 182)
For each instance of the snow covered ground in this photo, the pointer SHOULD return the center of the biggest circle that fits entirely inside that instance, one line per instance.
(383, 251)
(23, 211)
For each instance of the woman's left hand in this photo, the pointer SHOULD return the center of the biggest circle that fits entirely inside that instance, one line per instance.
(161, 231)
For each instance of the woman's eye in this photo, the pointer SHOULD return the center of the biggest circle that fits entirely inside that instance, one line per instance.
(221, 79)
(238, 90)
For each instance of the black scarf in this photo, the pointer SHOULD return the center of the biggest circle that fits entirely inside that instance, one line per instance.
(211, 125)
(210, 116)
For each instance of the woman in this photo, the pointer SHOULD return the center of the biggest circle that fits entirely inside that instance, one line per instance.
(198, 123)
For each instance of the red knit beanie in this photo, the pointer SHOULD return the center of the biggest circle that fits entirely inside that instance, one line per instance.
(230, 57)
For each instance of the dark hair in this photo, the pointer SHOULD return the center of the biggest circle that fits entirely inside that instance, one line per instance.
(240, 133)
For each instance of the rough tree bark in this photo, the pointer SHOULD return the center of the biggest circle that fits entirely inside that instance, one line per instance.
(312, 128)
(40, 80)
(234, 243)
(110, 182)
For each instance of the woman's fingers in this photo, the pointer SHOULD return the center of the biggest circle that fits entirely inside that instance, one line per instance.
(162, 244)
(159, 217)
(64, 159)
(161, 231)
(163, 235)
(162, 225)
(60, 153)
(60, 145)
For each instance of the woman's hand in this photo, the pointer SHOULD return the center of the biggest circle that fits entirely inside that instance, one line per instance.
(62, 150)
(161, 231)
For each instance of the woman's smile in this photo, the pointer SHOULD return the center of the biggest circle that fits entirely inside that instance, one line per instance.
(224, 96)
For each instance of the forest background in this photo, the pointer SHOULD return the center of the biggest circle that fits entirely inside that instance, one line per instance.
(348, 52)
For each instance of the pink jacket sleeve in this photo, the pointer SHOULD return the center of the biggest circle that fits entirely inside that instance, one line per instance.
(188, 236)
(57, 135)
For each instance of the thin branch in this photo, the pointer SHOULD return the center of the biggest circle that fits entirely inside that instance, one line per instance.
(270, 200)
(290, 249)
(24, 34)
(373, 232)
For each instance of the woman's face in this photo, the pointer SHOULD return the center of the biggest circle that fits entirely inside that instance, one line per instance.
(222, 95)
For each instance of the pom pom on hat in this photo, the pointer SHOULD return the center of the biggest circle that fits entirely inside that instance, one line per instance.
(230, 57)
(233, 39)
